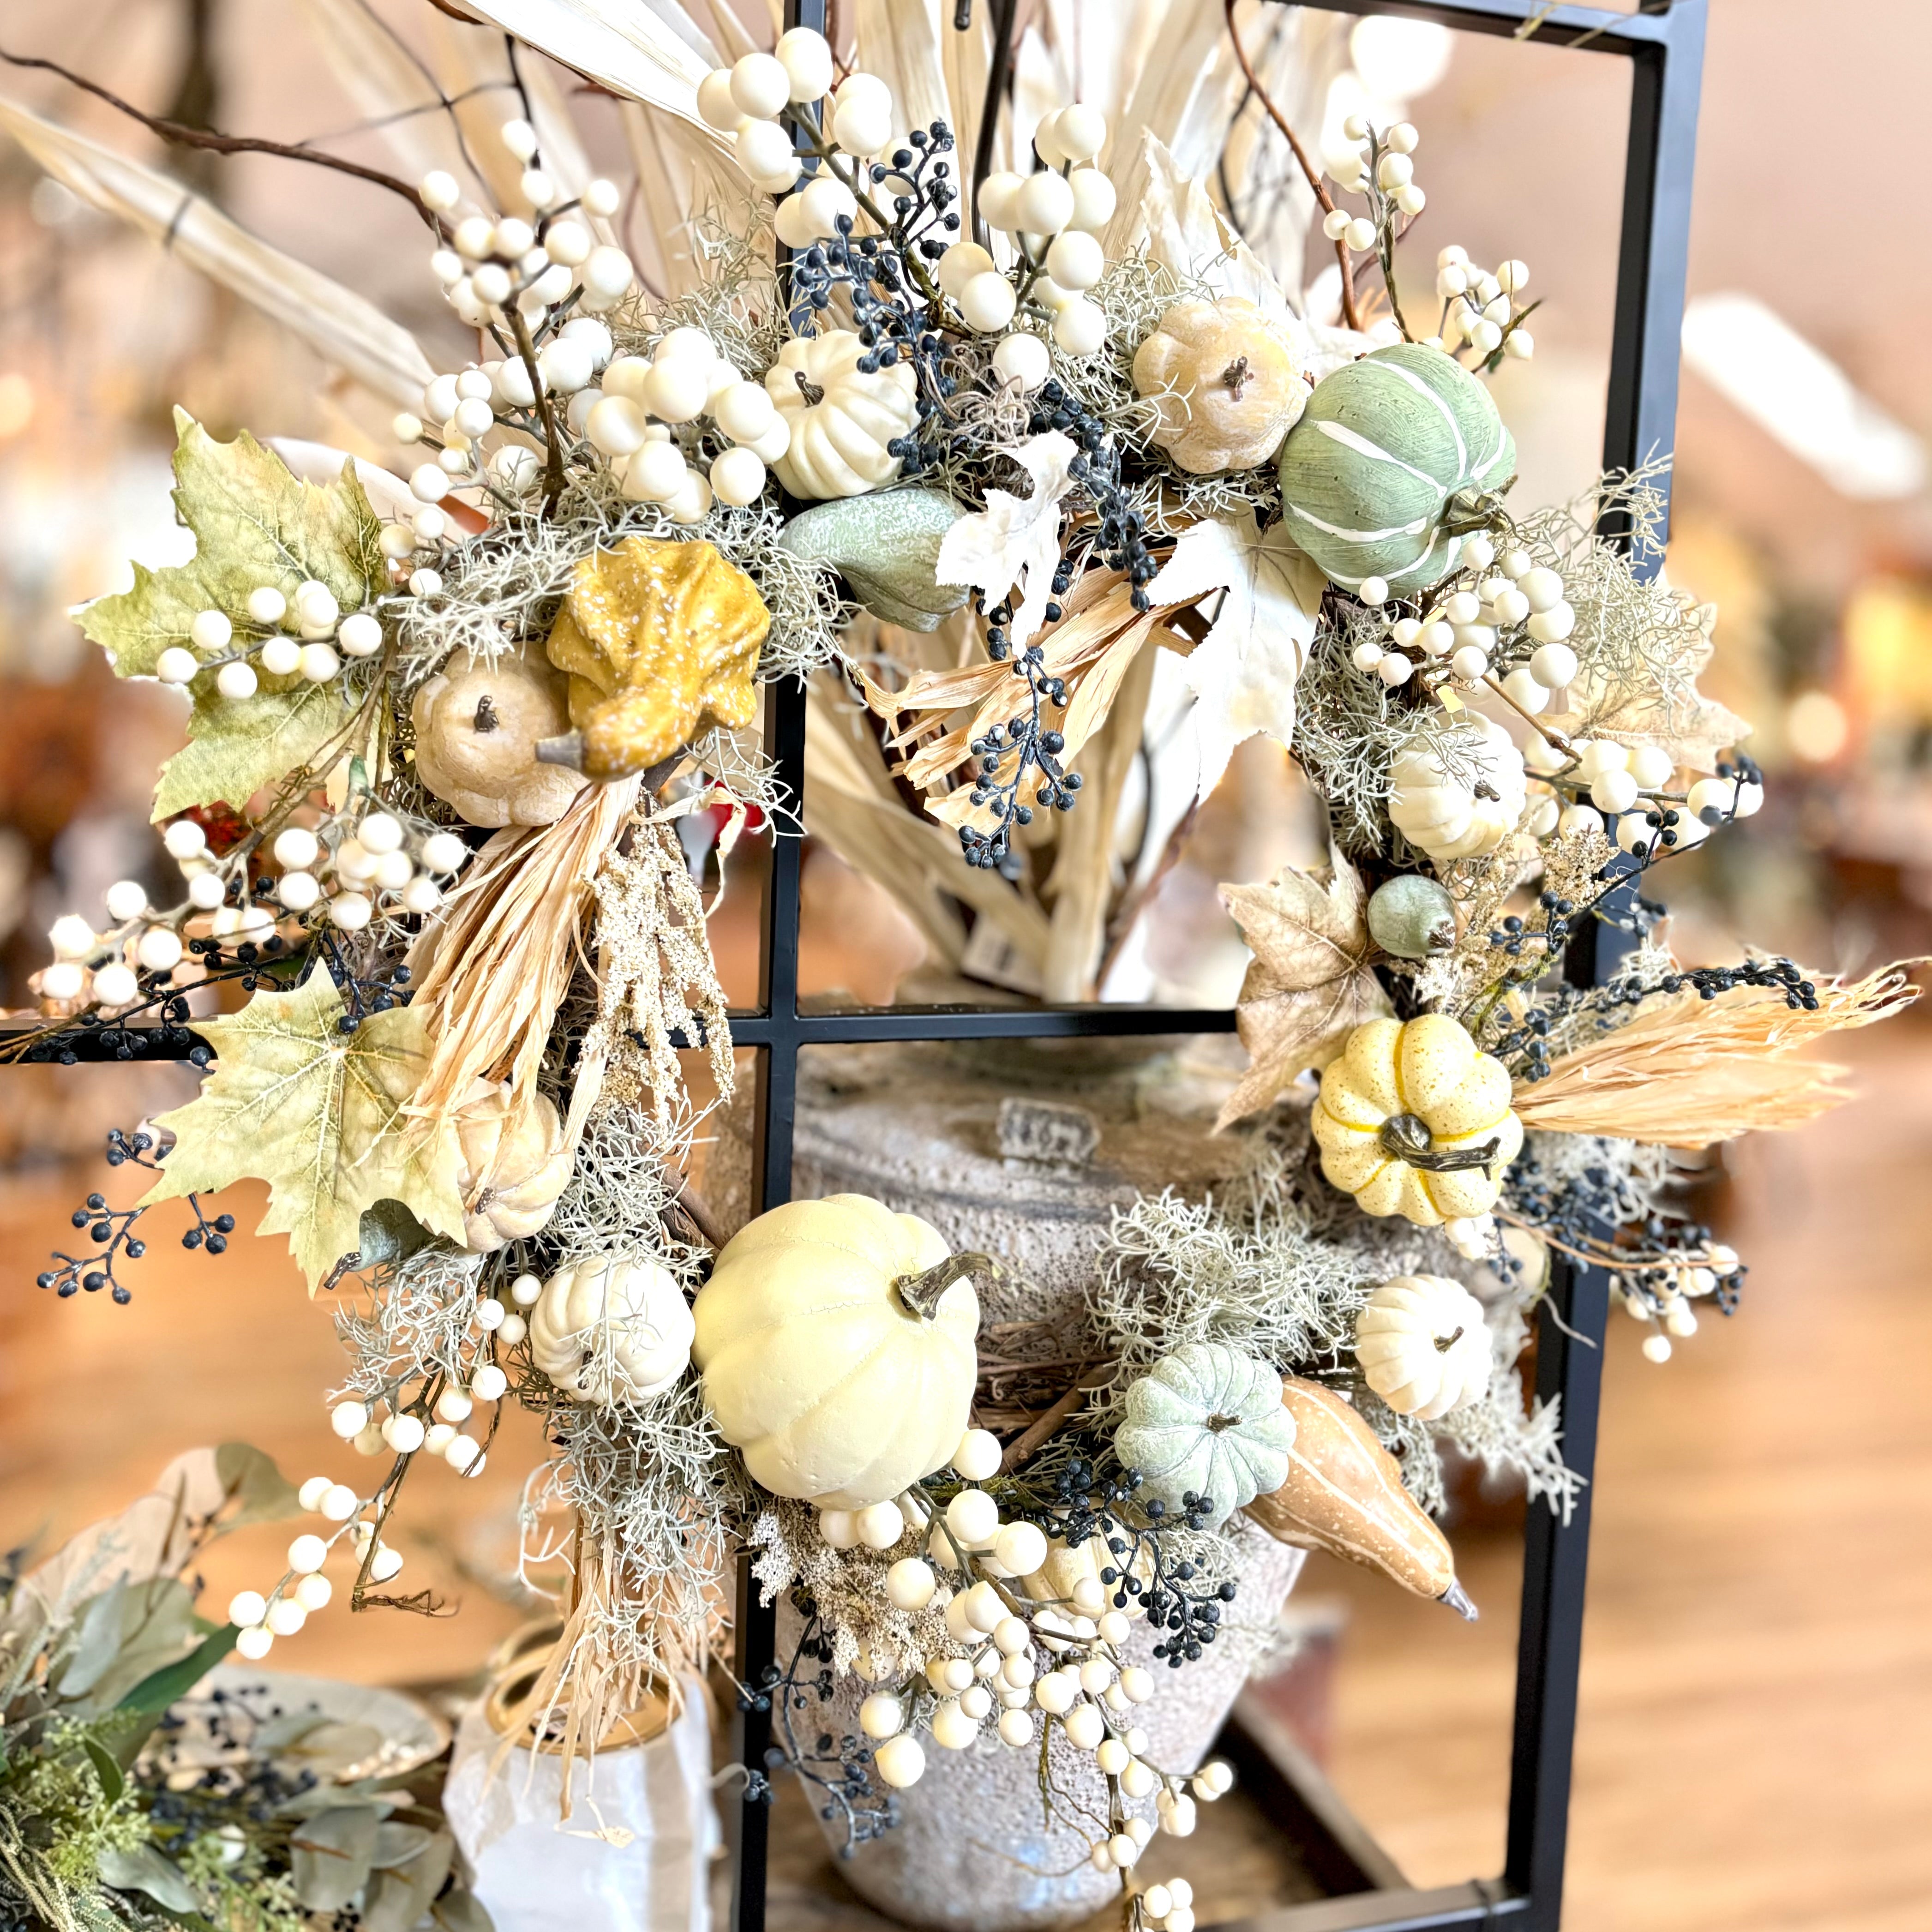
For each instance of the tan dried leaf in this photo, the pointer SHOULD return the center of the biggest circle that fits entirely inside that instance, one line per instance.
(1310, 982)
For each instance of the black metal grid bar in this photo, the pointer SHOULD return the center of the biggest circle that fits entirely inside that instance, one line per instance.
(1664, 41)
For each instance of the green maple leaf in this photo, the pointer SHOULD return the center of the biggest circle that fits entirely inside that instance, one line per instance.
(318, 1114)
(255, 523)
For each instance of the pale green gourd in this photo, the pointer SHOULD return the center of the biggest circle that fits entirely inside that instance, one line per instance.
(1385, 448)
(1206, 1420)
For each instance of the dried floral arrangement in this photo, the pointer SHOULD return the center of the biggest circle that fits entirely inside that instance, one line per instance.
(135, 1791)
(964, 397)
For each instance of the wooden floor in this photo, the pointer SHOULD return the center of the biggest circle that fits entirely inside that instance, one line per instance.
(1756, 1743)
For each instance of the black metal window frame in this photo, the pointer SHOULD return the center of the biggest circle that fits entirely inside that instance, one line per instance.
(1664, 41)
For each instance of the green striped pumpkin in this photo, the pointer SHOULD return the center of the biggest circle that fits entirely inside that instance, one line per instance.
(1383, 446)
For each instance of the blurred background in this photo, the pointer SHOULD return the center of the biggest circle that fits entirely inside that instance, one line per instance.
(1758, 1667)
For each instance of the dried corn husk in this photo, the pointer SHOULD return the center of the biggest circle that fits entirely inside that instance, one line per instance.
(1686, 1072)
(339, 325)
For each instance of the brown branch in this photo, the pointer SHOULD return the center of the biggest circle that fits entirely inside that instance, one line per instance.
(1048, 1423)
(1349, 313)
(205, 139)
(553, 444)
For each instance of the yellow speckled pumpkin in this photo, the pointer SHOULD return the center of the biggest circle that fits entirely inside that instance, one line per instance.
(1414, 1120)
(660, 639)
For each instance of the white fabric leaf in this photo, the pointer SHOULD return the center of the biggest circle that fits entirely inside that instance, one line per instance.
(1014, 542)
(1244, 673)
(340, 325)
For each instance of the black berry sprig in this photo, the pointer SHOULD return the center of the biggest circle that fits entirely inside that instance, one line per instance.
(113, 1228)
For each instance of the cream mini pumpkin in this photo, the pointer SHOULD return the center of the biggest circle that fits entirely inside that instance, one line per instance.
(1424, 1346)
(1226, 382)
(842, 417)
(607, 1329)
(1413, 1120)
(477, 725)
(838, 1355)
(1206, 1420)
(1460, 803)
(515, 1164)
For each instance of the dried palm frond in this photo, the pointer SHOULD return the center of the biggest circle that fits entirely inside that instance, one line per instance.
(1688, 1071)
(491, 975)
(340, 325)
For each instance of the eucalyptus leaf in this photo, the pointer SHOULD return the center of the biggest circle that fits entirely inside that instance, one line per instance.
(158, 1627)
(250, 1476)
(401, 1895)
(153, 1694)
(97, 1642)
(397, 1844)
(113, 1780)
(459, 1910)
(331, 1852)
(886, 546)
(366, 1794)
(141, 1868)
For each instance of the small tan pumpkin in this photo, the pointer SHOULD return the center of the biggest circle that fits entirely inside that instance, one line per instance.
(1413, 1120)
(513, 1167)
(1344, 1494)
(836, 1339)
(1424, 1346)
(477, 725)
(1226, 382)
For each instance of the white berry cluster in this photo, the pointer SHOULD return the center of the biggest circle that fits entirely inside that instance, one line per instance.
(530, 268)
(358, 864)
(1480, 307)
(1007, 1644)
(306, 635)
(301, 1589)
(1458, 631)
(682, 427)
(746, 100)
(1166, 1908)
(1374, 163)
(1671, 1304)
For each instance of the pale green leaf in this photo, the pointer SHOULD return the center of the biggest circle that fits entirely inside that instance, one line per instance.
(237, 746)
(318, 1114)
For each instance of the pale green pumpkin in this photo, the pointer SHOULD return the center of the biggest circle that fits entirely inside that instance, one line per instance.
(1385, 446)
(1206, 1420)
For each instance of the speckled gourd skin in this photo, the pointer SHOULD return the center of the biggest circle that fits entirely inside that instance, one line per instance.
(1383, 446)
(1431, 1068)
(835, 1391)
(660, 639)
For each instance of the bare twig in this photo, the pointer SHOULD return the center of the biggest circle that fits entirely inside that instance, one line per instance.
(212, 142)
(1349, 313)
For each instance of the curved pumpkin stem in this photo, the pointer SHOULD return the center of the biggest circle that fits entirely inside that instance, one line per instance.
(1406, 1138)
(921, 1293)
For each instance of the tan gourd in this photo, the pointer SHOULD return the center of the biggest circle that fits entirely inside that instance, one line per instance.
(1414, 1121)
(836, 1339)
(1344, 1494)
(1424, 1346)
(515, 1164)
(1226, 382)
(477, 727)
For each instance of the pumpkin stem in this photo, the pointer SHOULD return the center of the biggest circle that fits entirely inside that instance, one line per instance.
(1444, 1343)
(1219, 1424)
(486, 719)
(812, 392)
(1406, 1138)
(920, 1293)
(1237, 376)
(567, 749)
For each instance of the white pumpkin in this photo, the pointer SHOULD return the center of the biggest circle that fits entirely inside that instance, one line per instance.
(1206, 1420)
(842, 417)
(842, 1377)
(1465, 805)
(509, 1182)
(607, 1330)
(1424, 1346)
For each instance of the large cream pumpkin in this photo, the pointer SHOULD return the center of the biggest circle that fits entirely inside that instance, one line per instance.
(513, 1167)
(1414, 1120)
(839, 1385)
(607, 1329)
(842, 417)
